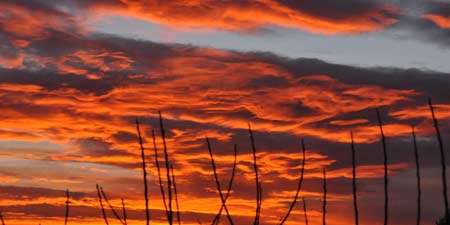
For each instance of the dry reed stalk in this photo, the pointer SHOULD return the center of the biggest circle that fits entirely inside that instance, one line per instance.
(355, 196)
(443, 160)
(167, 163)
(110, 206)
(161, 186)
(124, 211)
(66, 218)
(144, 170)
(176, 195)
(385, 163)
(305, 212)
(299, 186)
(213, 164)
(230, 185)
(101, 205)
(257, 182)
(419, 189)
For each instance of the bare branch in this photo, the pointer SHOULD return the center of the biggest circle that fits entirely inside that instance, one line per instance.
(161, 186)
(213, 164)
(299, 186)
(110, 206)
(355, 195)
(166, 155)
(176, 195)
(385, 162)
(101, 205)
(258, 184)
(144, 170)
(67, 207)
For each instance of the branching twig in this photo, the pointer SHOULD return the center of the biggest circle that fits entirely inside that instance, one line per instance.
(166, 155)
(419, 190)
(299, 186)
(101, 205)
(144, 170)
(257, 182)
(443, 161)
(213, 164)
(230, 184)
(386, 181)
(355, 196)
(176, 195)
(124, 211)
(110, 206)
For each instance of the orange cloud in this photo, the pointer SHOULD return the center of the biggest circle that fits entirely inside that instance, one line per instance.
(439, 20)
(251, 15)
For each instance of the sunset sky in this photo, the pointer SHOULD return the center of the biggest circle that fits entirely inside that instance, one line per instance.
(76, 74)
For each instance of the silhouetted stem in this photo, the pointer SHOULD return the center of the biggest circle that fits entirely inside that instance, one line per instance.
(166, 155)
(176, 195)
(67, 207)
(299, 186)
(305, 212)
(419, 189)
(443, 161)
(230, 185)
(355, 196)
(1, 219)
(161, 186)
(124, 211)
(213, 164)
(258, 184)
(385, 162)
(144, 170)
(324, 206)
(101, 205)
(110, 206)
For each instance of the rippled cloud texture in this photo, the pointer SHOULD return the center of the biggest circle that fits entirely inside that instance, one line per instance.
(69, 97)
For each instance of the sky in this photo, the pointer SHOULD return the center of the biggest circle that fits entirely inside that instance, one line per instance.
(75, 75)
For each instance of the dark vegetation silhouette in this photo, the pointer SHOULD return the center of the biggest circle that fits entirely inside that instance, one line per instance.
(172, 194)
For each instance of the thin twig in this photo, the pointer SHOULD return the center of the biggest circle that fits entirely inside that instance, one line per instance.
(213, 164)
(101, 205)
(67, 207)
(230, 185)
(355, 195)
(161, 186)
(257, 182)
(443, 161)
(385, 162)
(299, 186)
(110, 206)
(144, 170)
(305, 212)
(324, 206)
(166, 155)
(124, 211)
(176, 195)
(1, 218)
(419, 189)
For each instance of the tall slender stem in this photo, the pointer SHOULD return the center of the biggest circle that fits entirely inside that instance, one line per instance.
(161, 186)
(213, 164)
(144, 170)
(257, 182)
(299, 186)
(385, 162)
(305, 212)
(419, 189)
(355, 196)
(124, 211)
(443, 161)
(101, 205)
(67, 207)
(110, 206)
(176, 195)
(166, 156)
(230, 185)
